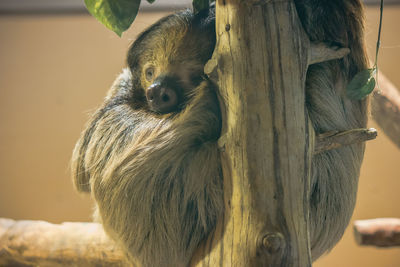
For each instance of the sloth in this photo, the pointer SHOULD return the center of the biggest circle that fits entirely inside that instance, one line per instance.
(149, 154)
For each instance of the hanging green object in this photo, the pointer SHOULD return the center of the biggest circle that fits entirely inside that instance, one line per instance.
(362, 84)
(116, 15)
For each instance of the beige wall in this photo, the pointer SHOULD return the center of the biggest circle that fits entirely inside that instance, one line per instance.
(55, 69)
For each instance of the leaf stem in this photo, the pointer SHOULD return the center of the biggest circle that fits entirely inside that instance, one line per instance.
(378, 43)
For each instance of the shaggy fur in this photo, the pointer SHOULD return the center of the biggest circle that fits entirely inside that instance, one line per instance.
(156, 178)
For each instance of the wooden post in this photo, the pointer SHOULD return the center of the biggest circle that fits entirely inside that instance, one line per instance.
(260, 65)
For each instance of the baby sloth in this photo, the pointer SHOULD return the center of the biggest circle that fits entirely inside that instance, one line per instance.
(149, 154)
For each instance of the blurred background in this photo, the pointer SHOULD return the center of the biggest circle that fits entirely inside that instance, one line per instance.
(56, 64)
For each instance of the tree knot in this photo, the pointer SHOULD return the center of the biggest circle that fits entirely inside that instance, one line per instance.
(273, 242)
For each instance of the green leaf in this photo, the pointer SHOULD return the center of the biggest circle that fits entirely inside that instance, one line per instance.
(117, 15)
(199, 5)
(151, 1)
(362, 84)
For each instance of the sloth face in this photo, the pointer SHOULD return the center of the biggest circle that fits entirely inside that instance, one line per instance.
(167, 61)
(168, 86)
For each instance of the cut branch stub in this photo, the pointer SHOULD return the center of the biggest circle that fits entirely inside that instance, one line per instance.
(335, 139)
(320, 52)
(274, 243)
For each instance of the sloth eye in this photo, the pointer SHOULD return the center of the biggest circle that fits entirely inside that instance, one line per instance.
(149, 74)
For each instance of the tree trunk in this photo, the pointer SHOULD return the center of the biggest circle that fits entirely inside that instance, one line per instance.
(260, 65)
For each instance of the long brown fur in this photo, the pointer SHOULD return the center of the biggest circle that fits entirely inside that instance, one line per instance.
(156, 178)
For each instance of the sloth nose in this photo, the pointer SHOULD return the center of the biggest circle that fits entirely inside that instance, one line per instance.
(161, 99)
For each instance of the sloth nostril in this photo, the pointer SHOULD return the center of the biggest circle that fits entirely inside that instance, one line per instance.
(161, 99)
(150, 94)
(165, 98)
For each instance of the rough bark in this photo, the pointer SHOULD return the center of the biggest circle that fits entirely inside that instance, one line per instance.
(382, 232)
(260, 64)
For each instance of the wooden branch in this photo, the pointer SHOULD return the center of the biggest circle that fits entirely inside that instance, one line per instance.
(382, 232)
(335, 139)
(266, 140)
(321, 52)
(386, 108)
(39, 243)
